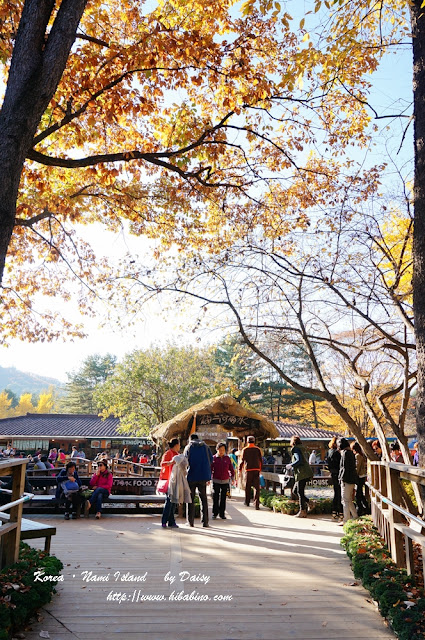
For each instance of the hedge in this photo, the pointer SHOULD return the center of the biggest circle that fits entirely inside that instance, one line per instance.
(398, 599)
(21, 594)
(281, 504)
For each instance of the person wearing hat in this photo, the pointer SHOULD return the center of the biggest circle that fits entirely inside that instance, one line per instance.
(348, 479)
(252, 461)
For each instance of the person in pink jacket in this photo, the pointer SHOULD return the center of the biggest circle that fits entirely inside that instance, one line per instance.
(101, 481)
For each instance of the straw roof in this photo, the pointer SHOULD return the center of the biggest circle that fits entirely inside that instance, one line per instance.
(180, 425)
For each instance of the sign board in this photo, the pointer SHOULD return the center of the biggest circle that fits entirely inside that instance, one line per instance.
(226, 421)
(135, 442)
(319, 481)
(100, 444)
(134, 486)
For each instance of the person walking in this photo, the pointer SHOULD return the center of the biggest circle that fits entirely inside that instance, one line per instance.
(361, 471)
(233, 457)
(333, 463)
(101, 481)
(166, 467)
(251, 461)
(199, 459)
(302, 474)
(221, 470)
(348, 479)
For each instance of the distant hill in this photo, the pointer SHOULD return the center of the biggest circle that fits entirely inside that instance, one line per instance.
(20, 382)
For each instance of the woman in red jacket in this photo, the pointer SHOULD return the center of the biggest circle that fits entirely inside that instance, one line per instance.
(166, 466)
(102, 482)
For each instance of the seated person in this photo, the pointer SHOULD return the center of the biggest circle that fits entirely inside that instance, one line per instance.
(68, 489)
(39, 464)
(101, 481)
(46, 462)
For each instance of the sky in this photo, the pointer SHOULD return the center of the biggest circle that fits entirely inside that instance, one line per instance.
(58, 358)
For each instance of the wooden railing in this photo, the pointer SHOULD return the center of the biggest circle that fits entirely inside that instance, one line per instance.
(122, 467)
(11, 531)
(118, 466)
(397, 525)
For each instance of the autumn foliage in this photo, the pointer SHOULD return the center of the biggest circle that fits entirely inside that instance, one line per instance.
(191, 122)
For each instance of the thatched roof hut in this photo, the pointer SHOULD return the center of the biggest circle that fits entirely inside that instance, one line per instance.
(224, 414)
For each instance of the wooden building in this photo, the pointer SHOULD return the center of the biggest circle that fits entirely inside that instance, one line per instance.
(90, 433)
(217, 419)
(313, 438)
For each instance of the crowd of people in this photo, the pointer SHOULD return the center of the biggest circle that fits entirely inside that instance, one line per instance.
(185, 474)
(196, 467)
(182, 475)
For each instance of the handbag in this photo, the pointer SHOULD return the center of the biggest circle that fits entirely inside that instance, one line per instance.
(162, 486)
(69, 487)
(87, 493)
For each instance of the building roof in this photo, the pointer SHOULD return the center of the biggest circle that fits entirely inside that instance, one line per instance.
(50, 425)
(225, 404)
(79, 426)
(288, 429)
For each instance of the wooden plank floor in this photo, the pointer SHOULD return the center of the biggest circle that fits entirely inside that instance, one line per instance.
(287, 578)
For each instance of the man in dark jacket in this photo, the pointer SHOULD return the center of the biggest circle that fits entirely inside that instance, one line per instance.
(252, 460)
(199, 458)
(347, 478)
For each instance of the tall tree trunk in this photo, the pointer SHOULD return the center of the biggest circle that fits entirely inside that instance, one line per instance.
(38, 62)
(418, 38)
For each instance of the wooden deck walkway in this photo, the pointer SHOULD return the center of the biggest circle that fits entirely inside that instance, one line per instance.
(287, 578)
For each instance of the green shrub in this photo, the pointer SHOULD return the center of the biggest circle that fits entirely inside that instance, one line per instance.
(283, 504)
(20, 593)
(388, 585)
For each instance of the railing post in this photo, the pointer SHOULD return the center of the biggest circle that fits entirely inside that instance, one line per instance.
(396, 537)
(10, 541)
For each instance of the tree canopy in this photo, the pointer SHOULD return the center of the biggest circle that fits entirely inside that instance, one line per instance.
(11, 405)
(153, 385)
(189, 122)
(82, 384)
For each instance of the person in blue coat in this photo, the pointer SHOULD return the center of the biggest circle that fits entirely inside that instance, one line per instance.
(199, 459)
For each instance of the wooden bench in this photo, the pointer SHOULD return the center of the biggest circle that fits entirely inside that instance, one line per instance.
(118, 502)
(31, 530)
